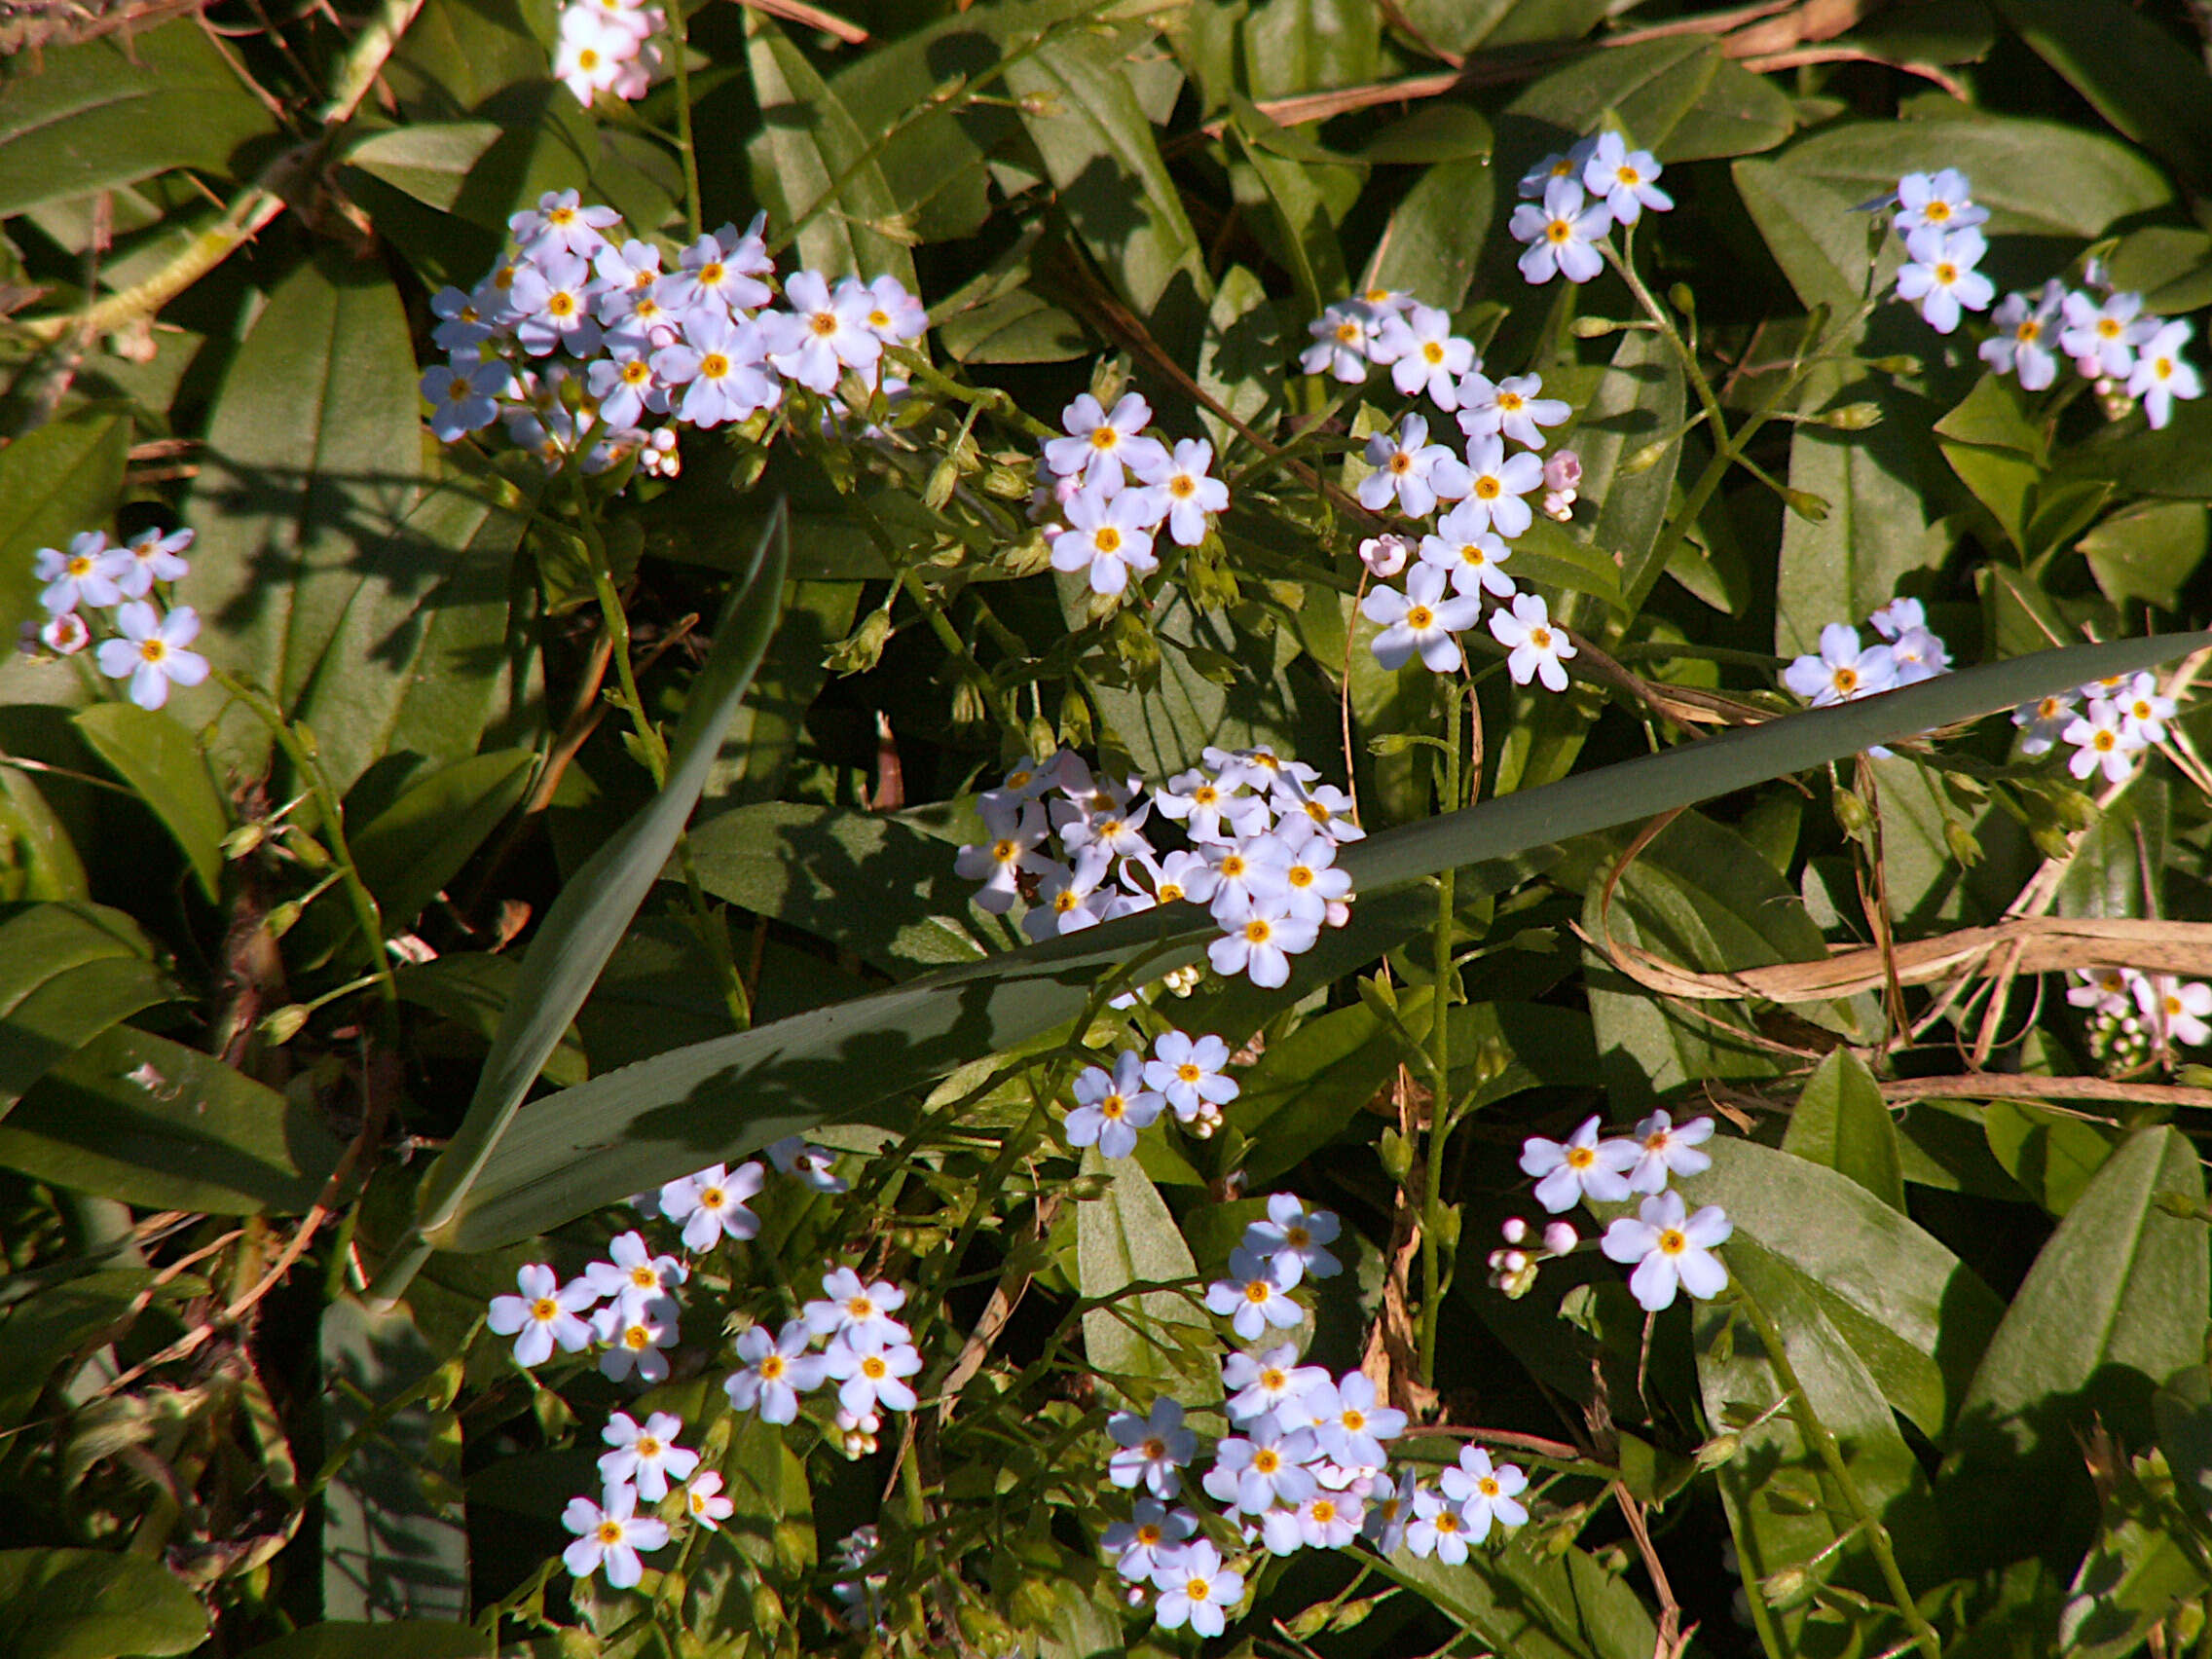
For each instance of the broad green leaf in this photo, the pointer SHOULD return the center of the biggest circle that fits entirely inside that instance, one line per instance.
(55, 481)
(813, 168)
(1437, 131)
(866, 882)
(1917, 1318)
(1291, 202)
(47, 1326)
(1637, 403)
(2052, 1155)
(1850, 564)
(112, 111)
(136, 1117)
(1809, 227)
(93, 1604)
(1738, 114)
(1926, 883)
(1525, 1601)
(37, 858)
(2117, 856)
(1549, 555)
(1083, 115)
(649, 1122)
(1303, 46)
(418, 843)
(2139, 1573)
(1126, 1237)
(1996, 452)
(2138, 74)
(67, 973)
(764, 739)
(1017, 327)
(1436, 232)
(313, 454)
(933, 159)
(1841, 1121)
(393, 1549)
(2115, 1303)
(474, 989)
(352, 1638)
(431, 161)
(2183, 1408)
(457, 52)
(1307, 1087)
(154, 753)
(587, 921)
(1240, 363)
(2175, 460)
(1785, 1507)
(1647, 87)
(2147, 551)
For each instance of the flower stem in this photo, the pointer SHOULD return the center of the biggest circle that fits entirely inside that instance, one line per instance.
(1815, 1433)
(1433, 1265)
(678, 49)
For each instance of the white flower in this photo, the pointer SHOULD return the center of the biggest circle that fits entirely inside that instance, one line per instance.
(2100, 740)
(1328, 1521)
(711, 1204)
(1271, 1385)
(1265, 1466)
(2041, 720)
(1937, 200)
(1941, 276)
(1437, 1529)
(1385, 554)
(1252, 1298)
(611, 1533)
(1622, 178)
(66, 635)
(1389, 1506)
(1099, 444)
(1186, 1071)
(2161, 375)
(1242, 873)
(151, 652)
(892, 314)
(1510, 407)
(1324, 807)
(544, 1314)
(1495, 485)
(1842, 671)
(1108, 535)
(1424, 355)
(1563, 235)
(1469, 554)
(1419, 619)
(1112, 1107)
(1534, 644)
(777, 1370)
(1343, 337)
(1579, 1166)
(812, 1164)
(2175, 1009)
(1664, 1150)
(2027, 331)
(647, 1454)
(1151, 1450)
(635, 1276)
(2101, 335)
(1669, 1248)
(2107, 990)
(1001, 863)
(1195, 1589)
(1485, 1493)
(1151, 1539)
(1310, 882)
(1539, 178)
(857, 1312)
(1411, 469)
(704, 1502)
(1182, 494)
(822, 335)
(634, 1339)
(721, 364)
(871, 1375)
(1260, 937)
(2143, 712)
(1351, 1425)
(1293, 1240)
(1202, 804)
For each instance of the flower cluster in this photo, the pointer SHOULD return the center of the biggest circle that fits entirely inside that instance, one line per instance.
(2104, 331)
(1572, 202)
(1668, 1247)
(2124, 716)
(1905, 652)
(139, 641)
(576, 340)
(607, 46)
(1184, 1073)
(867, 1353)
(1261, 835)
(1305, 1465)
(1483, 488)
(1112, 492)
(2138, 1019)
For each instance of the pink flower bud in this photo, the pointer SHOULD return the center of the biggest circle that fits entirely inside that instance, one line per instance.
(1559, 1237)
(1564, 471)
(1515, 1230)
(1384, 556)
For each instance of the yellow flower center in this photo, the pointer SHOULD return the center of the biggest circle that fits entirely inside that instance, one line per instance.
(1106, 539)
(1347, 334)
(1489, 487)
(1299, 877)
(2103, 742)
(1232, 866)
(1847, 679)
(637, 1338)
(637, 372)
(2108, 328)
(1113, 1107)
(1104, 438)
(1488, 1486)
(824, 323)
(1265, 1463)
(772, 1366)
(562, 216)
(713, 366)
(1258, 1291)
(456, 392)
(710, 273)
(545, 1311)
(873, 1369)
(712, 1198)
(1401, 463)
(1939, 211)
(1154, 1450)
(1004, 852)
(1324, 1511)
(2028, 332)
(1672, 1243)
(645, 1276)
(1257, 931)
(1447, 1520)
(1432, 352)
(2163, 368)
(1419, 617)
(879, 319)
(647, 1446)
(1540, 638)
(153, 650)
(588, 59)
(1199, 1588)
(1946, 272)
(1627, 176)
(1581, 1157)
(1559, 230)
(1355, 1420)
(610, 1532)
(562, 304)
(1149, 1535)
(1182, 486)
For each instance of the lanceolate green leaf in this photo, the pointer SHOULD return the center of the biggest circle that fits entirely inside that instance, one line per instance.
(154, 753)
(1125, 1237)
(60, 479)
(1527, 1602)
(649, 1122)
(67, 973)
(587, 921)
(83, 1603)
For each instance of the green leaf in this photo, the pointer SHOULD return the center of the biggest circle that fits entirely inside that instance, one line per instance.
(866, 882)
(1639, 402)
(1128, 1237)
(633, 1128)
(2175, 460)
(93, 1604)
(2139, 1573)
(1917, 1318)
(2140, 77)
(112, 111)
(1736, 114)
(2149, 551)
(1083, 115)
(1647, 87)
(587, 921)
(1525, 1601)
(475, 990)
(1297, 209)
(1019, 327)
(409, 851)
(1436, 232)
(313, 452)
(37, 858)
(431, 161)
(2115, 1303)
(1305, 1087)
(764, 739)
(2052, 1157)
(154, 753)
(1841, 1121)
(394, 1551)
(352, 1638)
(2183, 1408)
(1240, 363)
(67, 973)
(934, 160)
(812, 168)
(1809, 227)
(1432, 133)
(136, 1117)
(1302, 46)
(43, 1328)
(1995, 452)
(55, 481)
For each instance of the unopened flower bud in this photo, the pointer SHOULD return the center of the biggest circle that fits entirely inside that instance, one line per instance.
(1559, 505)
(1563, 471)
(1596, 327)
(244, 840)
(1559, 1237)
(1718, 1450)
(1853, 416)
(1508, 1261)
(1647, 458)
(1514, 1228)
(1681, 299)
(1897, 365)
(1384, 556)
(1806, 505)
(282, 1026)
